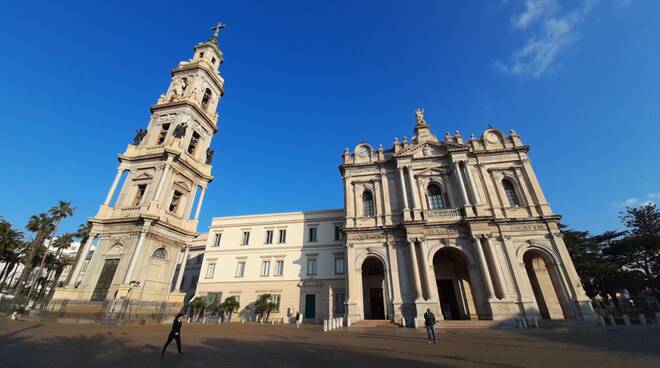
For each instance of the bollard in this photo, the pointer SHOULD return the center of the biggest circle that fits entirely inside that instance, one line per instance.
(325, 325)
(348, 321)
(611, 319)
(626, 320)
(204, 320)
(242, 320)
(642, 319)
(403, 322)
(341, 321)
(601, 321)
(272, 322)
(415, 322)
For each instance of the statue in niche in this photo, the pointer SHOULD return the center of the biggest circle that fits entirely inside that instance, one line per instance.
(139, 135)
(180, 130)
(419, 113)
(209, 155)
(427, 151)
(178, 88)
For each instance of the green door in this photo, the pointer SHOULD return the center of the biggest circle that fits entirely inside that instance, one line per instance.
(105, 279)
(310, 306)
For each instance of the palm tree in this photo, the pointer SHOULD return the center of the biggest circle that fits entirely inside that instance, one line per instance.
(58, 213)
(230, 305)
(41, 225)
(11, 241)
(61, 243)
(83, 235)
(61, 263)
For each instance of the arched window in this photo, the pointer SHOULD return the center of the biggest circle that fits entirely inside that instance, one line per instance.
(511, 194)
(160, 253)
(436, 199)
(207, 98)
(367, 204)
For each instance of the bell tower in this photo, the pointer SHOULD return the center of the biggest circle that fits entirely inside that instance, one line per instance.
(152, 208)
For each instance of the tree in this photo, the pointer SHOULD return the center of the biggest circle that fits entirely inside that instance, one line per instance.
(197, 305)
(265, 305)
(81, 234)
(58, 213)
(230, 305)
(11, 244)
(41, 226)
(61, 243)
(639, 250)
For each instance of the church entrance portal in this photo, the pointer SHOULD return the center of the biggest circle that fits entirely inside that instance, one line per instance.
(373, 286)
(453, 283)
(105, 279)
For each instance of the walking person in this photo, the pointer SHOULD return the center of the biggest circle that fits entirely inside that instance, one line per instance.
(175, 334)
(429, 322)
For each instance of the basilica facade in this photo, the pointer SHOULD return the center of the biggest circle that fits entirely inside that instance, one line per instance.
(458, 226)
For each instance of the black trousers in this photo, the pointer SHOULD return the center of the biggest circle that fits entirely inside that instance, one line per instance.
(173, 336)
(430, 332)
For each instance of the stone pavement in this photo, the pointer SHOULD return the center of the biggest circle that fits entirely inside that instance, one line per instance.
(35, 344)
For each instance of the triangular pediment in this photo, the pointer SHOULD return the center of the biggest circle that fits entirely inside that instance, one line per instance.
(144, 176)
(432, 172)
(428, 149)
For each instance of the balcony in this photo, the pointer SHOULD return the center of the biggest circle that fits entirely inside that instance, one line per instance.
(443, 214)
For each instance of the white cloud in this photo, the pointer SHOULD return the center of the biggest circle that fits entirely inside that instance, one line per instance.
(554, 30)
(534, 9)
(636, 202)
(655, 195)
(625, 3)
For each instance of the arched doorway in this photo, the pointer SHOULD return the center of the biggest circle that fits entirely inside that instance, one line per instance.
(373, 288)
(545, 283)
(453, 282)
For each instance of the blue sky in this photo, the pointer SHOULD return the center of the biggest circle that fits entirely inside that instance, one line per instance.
(578, 80)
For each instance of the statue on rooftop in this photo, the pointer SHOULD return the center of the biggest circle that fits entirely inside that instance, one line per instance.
(419, 112)
(139, 135)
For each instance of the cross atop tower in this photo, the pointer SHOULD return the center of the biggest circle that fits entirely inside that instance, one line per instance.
(217, 28)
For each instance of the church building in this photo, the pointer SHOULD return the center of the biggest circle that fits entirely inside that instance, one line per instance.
(458, 226)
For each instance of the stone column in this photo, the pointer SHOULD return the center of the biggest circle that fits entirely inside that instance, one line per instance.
(182, 269)
(113, 187)
(378, 211)
(135, 257)
(415, 269)
(394, 274)
(536, 187)
(348, 202)
(470, 179)
(485, 273)
(387, 215)
(404, 196)
(413, 188)
(461, 184)
(427, 279)
(81, 260)
(199, 203)
(161, 182)
(497, 265)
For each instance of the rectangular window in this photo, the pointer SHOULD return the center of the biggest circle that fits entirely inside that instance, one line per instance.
(176, 198)
(240, 269)
(312, 234)
(311, 266)
(339, 234)
(245, 240)
(269, 236)
(276, 298)
(141, 188)
(216, 239)
(339, 302)
(163, 133)
(213, 298)
(210, 270)
(282, 236)
(339, 266)
(193, 143)
(265, 268)
(279, 268)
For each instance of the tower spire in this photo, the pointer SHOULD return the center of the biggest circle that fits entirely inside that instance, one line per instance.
(216, 31)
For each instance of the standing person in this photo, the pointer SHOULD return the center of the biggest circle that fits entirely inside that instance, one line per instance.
(429, 322)
(175, 334)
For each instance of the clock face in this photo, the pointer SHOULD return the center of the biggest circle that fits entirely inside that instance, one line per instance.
(363, 151)
(492, 138)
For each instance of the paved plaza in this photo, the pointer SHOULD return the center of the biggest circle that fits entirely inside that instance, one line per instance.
(36, 344)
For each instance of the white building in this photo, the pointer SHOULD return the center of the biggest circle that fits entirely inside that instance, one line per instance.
(296, 257)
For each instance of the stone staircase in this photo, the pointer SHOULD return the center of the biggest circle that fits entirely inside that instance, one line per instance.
(469, 324)
(384, 323)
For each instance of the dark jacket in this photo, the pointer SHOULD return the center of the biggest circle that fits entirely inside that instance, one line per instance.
(176, 326)
(429, 319)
